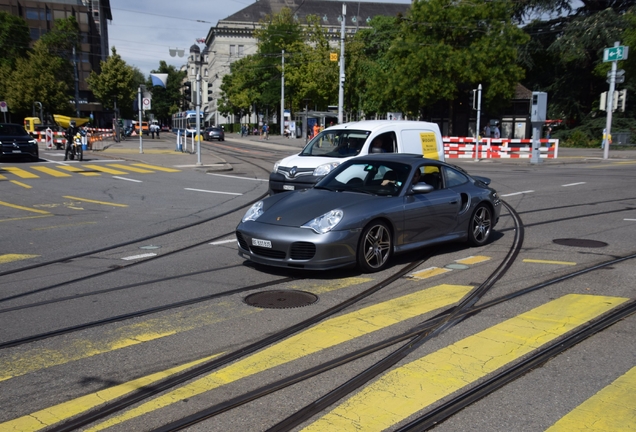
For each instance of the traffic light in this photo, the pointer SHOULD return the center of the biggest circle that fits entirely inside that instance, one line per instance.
(620, 98)
(472, 99)
(187, 91)
(210, 93)
(603, 104)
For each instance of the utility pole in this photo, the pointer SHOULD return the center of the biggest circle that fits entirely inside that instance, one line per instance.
(342, 65)
(611, 54)
(282, 95)
(198, 105)
(141, 131)
(77, 110)
(478, 125)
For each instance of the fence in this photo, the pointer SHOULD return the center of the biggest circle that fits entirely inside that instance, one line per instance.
(490, 148)
(58, 138)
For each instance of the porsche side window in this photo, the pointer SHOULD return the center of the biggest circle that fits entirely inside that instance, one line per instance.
(431, 175)
(454, 178)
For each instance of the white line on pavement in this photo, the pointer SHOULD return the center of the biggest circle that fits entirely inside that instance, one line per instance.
(127, 179)
(238, 177)
(134, 257)
(209, 191)
(517, 193)
(223, 242)
(573, 184)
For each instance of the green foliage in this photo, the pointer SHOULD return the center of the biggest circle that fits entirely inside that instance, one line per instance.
(14, 40)
(114, 84)
(590, 132)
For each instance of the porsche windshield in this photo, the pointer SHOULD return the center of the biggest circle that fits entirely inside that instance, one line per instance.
(336, 143)
(378, 178)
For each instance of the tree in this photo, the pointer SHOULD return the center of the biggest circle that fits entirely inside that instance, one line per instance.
(39, 77)
(444, 47)
(14, 39)
(164, 99)
(114, 84)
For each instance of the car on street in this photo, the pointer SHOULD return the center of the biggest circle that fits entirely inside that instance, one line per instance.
(16, 142)
(214, 133)
(367, 209)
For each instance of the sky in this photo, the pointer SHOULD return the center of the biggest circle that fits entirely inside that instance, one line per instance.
(144, 31)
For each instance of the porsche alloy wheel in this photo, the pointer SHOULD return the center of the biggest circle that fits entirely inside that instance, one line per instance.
(480, 226)
(375, 247)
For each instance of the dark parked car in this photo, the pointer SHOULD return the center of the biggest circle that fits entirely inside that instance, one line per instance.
(16, 142)
(365, 210)
(214, 133)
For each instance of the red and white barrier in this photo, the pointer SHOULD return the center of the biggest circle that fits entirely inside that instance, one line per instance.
(501, 148)
(94, 134)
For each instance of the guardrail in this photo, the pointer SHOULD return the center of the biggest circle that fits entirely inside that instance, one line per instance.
(500, 148)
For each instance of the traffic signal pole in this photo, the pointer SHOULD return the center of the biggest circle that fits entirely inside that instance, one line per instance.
(610, 107)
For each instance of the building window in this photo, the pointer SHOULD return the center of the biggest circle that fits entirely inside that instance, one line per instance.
(83, 17)
(232, 50)
(59, 14)
(35, 33)
(193, 72)
(205, 72)
(32, 14)
(240, 50)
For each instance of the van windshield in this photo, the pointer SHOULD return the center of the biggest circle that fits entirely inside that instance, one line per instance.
(336, 143)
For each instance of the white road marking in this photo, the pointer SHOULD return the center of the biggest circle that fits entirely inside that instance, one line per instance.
(633, 220)
(573, 184)
(238, 177)
(209, 191)
(517, 193)
(223, 242)
(127, 179)
(134, 257)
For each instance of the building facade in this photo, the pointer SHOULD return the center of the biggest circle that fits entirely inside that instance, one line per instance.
(92, 17)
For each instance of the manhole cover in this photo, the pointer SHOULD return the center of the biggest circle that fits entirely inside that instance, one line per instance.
(580, 243)
(281, 299)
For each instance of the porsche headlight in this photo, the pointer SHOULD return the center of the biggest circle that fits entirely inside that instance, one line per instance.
(325, 223)
(325, 169)
(254, 212)
(275, 169)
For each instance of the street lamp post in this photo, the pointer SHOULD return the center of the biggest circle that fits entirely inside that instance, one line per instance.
(141, 131)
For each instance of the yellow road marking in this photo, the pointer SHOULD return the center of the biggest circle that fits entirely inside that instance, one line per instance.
(158, 168)
(428, 273)
(95, 201)
(36, 359)
(24, 218)
(611, 409)
(49, 416)
(626, 163)
(79, 171)
(21, 173)
(24, 185)
(549, 262)
(131, 168)
(7, 258)
(473, 260)
(6, 204)
(146, 151)
(2, 177)
(104, 169)
(413, 387)
(321, 288)
(51, 171)
(322, 336)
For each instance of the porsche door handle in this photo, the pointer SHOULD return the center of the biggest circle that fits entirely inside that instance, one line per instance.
(453, 202)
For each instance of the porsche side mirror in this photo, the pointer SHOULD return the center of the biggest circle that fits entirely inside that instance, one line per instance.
(421, 188)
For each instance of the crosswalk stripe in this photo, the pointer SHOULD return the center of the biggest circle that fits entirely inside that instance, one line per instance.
(51, 171)
(473, 260)
(104, 169)
(158, 168)
(131, 168)
(322, 336)
(410, 388)
(611, 409)
(21, 173)
(77, 170)
(7, 258)
(15, 206)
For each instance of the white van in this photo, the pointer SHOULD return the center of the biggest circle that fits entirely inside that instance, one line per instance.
(339, 143)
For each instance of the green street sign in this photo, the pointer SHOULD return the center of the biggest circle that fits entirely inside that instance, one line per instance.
(615, 53)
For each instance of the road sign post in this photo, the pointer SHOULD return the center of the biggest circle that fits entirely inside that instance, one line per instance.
(613, 54)
(4, 108)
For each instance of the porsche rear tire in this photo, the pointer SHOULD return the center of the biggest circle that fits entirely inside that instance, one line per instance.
(375, 247)
(480, 226)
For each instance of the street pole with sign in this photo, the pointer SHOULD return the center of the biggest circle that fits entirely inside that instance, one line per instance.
(614, 54)
(141, 131)
(4, 108)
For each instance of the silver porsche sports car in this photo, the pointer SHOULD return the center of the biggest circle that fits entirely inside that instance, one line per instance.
(366, 210)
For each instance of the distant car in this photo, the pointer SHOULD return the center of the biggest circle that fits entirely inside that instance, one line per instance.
(214, 133)
(16, 142)
(367, 209)
(165, 128)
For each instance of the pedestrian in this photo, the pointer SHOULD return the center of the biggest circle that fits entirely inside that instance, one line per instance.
(292, 129)
(496, 134)
(548, 134)
(316, 129)
(152, 130)
(265, 131)
(486, 131)
(158, 128)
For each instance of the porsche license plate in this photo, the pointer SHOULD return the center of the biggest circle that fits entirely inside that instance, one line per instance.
(288, 187)
(261, 243)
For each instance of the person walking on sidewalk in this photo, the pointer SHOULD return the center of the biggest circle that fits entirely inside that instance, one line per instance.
(265, 131)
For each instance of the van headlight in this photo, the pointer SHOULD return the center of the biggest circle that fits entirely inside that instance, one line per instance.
(325, 169)
(275, 169)
(254, 212)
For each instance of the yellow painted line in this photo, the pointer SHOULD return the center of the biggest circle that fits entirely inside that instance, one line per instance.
(321, 288)
(7, 258)
(6, 204)
(428, 273)
(549, 262)
(473, 260)
(611, 409)
(146, 151)
(24, 185)
(131, 168)
(104, 169)
(626, 163)
(65, 410)
(2, 177)
(95, 201)
(158, 168)
(24, 218)
(51, 171)
(79, 170)
(322, 336)
(416, 385)
(21, 173)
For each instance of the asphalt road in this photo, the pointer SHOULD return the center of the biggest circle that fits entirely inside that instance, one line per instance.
(158, 227)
